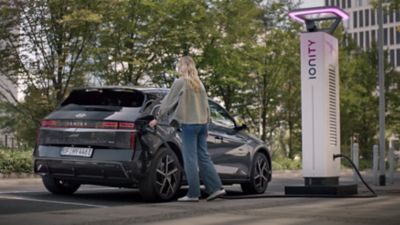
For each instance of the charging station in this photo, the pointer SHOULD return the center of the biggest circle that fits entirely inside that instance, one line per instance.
(320, 104)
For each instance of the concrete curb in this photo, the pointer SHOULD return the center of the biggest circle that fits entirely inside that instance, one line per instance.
(17, 175)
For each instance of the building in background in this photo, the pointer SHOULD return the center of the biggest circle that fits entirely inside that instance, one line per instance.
(363, 26)
(9, 91)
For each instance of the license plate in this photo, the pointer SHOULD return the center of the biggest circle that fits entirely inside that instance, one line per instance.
(72, 151)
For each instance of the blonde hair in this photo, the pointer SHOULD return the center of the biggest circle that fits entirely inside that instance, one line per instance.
(186, 68)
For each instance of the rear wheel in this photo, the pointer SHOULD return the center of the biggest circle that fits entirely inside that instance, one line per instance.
(163, 178)
(60, 187)
(259, 177)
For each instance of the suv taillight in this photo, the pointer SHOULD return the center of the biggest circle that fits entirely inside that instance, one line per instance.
(87, 124)
(49, 123)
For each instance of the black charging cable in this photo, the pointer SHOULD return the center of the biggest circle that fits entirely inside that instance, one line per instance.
(358, 173)
(313, 195)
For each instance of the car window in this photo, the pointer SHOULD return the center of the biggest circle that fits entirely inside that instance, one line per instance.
(220, 117)
(103, 97)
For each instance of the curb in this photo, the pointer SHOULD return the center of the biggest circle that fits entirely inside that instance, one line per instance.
(17, 175)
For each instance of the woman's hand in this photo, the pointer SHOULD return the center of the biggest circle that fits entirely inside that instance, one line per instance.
(153, 123)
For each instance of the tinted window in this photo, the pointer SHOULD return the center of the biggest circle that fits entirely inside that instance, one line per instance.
(355, 19)
(391, 36)
(103, 97)
(397, 37)
(398, 56)
(373, 35)
(385, 36)
(220, 117)
(372, 17)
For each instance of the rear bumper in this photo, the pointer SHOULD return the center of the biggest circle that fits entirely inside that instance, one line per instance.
(87, 172)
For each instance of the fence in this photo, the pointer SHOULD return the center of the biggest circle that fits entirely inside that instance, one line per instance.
(8, 141)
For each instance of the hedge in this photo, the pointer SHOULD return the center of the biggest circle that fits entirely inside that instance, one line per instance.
(15, 161)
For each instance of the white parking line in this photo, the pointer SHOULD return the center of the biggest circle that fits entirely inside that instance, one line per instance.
(41, 191)
(18, 192)
(48, 201)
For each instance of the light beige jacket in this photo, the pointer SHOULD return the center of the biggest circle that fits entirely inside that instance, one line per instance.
(185, 105)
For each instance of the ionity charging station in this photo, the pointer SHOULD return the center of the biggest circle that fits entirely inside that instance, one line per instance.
(320, 103)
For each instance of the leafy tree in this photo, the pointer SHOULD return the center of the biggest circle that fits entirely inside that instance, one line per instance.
(232, 31)
(359, 96)
(44, 51)
(359, 101)
(274, 100)
(393, 102)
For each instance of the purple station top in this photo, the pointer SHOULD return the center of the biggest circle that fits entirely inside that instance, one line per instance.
(300, 15)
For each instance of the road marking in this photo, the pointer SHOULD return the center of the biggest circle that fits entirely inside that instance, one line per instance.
(18, 192)
(49, 201)
(41, 191)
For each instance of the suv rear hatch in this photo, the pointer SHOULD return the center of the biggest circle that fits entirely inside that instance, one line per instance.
(95, 118)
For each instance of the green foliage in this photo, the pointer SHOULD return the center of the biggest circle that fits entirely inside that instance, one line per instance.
(283, 163)
(358, 99)
(364, 164)
(15, 161)
(393, 102)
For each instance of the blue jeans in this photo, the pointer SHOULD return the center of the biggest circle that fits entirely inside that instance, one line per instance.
(196, 159)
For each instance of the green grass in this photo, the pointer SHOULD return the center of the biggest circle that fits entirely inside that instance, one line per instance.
(15, 161)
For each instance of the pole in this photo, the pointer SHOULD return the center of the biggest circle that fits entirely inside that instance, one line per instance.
(382, 178)
(355, 157)
(391, 165)
(375, 166)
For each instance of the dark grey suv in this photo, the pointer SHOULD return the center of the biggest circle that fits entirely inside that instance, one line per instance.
(99, 135)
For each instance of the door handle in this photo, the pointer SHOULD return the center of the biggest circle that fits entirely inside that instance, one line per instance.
(219, 138)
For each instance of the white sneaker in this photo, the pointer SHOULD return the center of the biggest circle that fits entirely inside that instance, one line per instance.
(216, 194)
(188, 199)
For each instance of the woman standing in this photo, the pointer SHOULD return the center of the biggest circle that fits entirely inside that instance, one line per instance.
(187, 104)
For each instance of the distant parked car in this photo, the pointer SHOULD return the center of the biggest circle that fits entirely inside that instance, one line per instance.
(98, 136)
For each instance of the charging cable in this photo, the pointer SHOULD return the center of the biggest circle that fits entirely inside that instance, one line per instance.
(314, 195)
(358, 173)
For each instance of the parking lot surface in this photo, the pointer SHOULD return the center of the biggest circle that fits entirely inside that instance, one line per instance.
(25, 201)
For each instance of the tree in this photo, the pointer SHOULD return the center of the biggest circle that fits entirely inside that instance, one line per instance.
(274, 101)
(233, 27)
(359, 100)
(43, 51)
(393, 102)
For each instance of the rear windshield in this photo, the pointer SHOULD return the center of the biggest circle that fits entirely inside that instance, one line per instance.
(105, 97)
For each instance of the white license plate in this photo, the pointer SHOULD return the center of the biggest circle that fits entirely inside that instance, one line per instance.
(72, 151)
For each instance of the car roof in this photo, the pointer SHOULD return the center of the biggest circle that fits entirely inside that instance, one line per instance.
(128, 88)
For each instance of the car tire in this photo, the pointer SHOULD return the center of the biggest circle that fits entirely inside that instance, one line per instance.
(259, 176)
(59, 187)
(163, 178)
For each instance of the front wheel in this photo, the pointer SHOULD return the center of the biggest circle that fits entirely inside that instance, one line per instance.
(60, 187)
(259, 176)
(163, 178)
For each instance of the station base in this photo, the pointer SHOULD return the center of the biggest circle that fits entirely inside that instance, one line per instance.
(322, 187)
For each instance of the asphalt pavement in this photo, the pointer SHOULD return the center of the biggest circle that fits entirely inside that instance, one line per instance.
(25, 201)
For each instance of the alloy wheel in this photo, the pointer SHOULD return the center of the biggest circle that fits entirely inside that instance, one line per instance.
(167, 176)
(261, 173)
